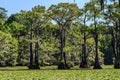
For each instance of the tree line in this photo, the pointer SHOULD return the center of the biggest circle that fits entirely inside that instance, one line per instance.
(63, 35)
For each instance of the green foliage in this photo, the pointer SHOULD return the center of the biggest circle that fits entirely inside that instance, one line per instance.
(23, 52)
(8, 49)
(65, 13)
(106, 48)
(2, 15)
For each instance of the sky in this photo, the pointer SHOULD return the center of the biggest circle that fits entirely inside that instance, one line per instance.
(14, 6)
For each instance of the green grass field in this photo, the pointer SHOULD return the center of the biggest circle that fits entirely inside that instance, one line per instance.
(50, 73)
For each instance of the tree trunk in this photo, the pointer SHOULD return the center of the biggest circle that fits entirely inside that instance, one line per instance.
(117, 62)
(31, 57)
(116, 48)
(37, 56)
(61, 46)
(64, 54)
(63, 62)
(97, 63)
(37, 47)
(84, 62)
(117, 51)
(117, 43)
(31, 66)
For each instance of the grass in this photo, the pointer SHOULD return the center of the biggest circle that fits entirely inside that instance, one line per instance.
(51, 73)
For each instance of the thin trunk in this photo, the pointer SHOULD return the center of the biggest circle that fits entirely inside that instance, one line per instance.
(85, 52)
(61, 45)
(31, 55)
(19, 51)
(114, 44)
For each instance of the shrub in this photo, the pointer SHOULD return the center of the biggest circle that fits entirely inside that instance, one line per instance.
(8, 49)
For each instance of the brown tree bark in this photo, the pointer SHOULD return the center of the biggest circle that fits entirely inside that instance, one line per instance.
(63, 59)
(84, 62)
(37, 55)
(31, 66)
(97, 63)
